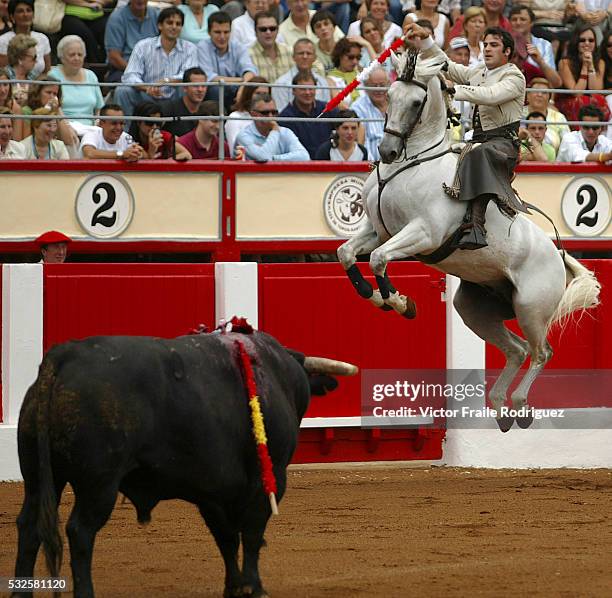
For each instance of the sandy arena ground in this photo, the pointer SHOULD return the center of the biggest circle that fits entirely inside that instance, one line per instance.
(386, 531)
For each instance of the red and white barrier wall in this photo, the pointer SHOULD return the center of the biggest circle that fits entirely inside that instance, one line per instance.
(312, 308)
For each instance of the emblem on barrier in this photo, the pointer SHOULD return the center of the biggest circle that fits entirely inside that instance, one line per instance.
(104, 206)
(343, 205)
(586, 206)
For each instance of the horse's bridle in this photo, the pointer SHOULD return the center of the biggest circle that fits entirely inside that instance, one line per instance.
(406, 135)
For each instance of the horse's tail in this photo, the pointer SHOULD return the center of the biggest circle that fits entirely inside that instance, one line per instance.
(581, 292)
(47, 509)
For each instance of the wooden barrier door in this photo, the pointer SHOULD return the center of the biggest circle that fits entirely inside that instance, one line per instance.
(313, 308)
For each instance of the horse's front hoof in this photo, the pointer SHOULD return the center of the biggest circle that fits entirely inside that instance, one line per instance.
(411, 309)
(505, 423)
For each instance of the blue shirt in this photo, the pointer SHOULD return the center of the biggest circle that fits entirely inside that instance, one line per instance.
(191, 30)
(79, 99)
(124, 30)
(364, 108)
(546, 50)
(311, 135)
(279, 145)
(234, 63)
(150, 63)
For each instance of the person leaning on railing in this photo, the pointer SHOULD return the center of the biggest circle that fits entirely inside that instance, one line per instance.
(109, 141)
(157, 144)
(43, 143)
(534, 147)
(241, 109)
(588, 144)
(203, 142)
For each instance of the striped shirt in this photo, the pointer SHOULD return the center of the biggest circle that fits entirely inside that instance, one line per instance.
(268, 68)
(374, 131)
(149, 62)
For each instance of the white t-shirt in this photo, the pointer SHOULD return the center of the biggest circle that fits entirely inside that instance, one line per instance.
(42, 48)
(574, 148)
(95, 138)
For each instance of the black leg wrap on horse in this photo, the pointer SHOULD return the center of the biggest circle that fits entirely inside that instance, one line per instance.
(384, 286)
(392, 289)
(362, 286)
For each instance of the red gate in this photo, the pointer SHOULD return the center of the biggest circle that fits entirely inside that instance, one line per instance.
(314, 309)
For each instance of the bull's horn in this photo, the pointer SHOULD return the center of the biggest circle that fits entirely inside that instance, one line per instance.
(322, 365)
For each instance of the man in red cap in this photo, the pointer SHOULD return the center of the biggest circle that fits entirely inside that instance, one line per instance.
(54, 247)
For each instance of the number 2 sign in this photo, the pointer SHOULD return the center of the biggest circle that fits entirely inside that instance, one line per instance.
(585, 206)
(104, 206)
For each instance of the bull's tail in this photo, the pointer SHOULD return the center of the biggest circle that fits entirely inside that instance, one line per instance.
(581, 292)
(47, 524)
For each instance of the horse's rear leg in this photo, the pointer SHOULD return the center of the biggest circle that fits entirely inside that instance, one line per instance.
(484, 314)
(364, 242)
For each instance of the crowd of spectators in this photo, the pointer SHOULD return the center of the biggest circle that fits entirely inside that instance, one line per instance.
(559, 44)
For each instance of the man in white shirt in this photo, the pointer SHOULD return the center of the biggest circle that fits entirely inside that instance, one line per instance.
(9, 149)
(109, 141)
(589, 144)
(243, 27)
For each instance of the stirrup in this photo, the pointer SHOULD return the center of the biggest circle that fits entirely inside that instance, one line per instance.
(474, 238)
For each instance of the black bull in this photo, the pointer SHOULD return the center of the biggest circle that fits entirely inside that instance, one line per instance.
(158, 419)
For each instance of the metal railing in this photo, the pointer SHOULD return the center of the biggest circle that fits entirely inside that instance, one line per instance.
(222, 117)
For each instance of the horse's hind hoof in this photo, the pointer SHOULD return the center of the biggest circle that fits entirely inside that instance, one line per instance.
(505, 423)
(525, 422)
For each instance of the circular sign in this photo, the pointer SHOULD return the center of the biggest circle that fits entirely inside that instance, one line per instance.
(585, 206)
(104, 206)
(343, 205)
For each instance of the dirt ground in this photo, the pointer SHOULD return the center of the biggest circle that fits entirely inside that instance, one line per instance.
(386, 531)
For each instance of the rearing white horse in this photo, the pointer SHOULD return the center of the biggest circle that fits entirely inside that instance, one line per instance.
(521, 274)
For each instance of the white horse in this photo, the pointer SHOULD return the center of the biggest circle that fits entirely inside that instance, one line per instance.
(521, 274)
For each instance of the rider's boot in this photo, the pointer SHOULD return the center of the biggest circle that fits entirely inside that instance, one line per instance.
(475, 235)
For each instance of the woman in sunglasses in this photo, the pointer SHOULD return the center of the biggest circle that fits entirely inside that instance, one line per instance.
(580, 69)
(157, 144)
(346, 57)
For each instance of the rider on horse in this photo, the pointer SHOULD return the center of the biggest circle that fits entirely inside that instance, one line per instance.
(497, 90)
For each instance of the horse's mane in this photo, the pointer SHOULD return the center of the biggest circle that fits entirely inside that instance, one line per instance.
(413, 65)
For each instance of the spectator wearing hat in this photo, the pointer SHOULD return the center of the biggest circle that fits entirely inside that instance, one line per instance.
(459, 51)
(9, 149)
(53, 246)
(203, 141)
